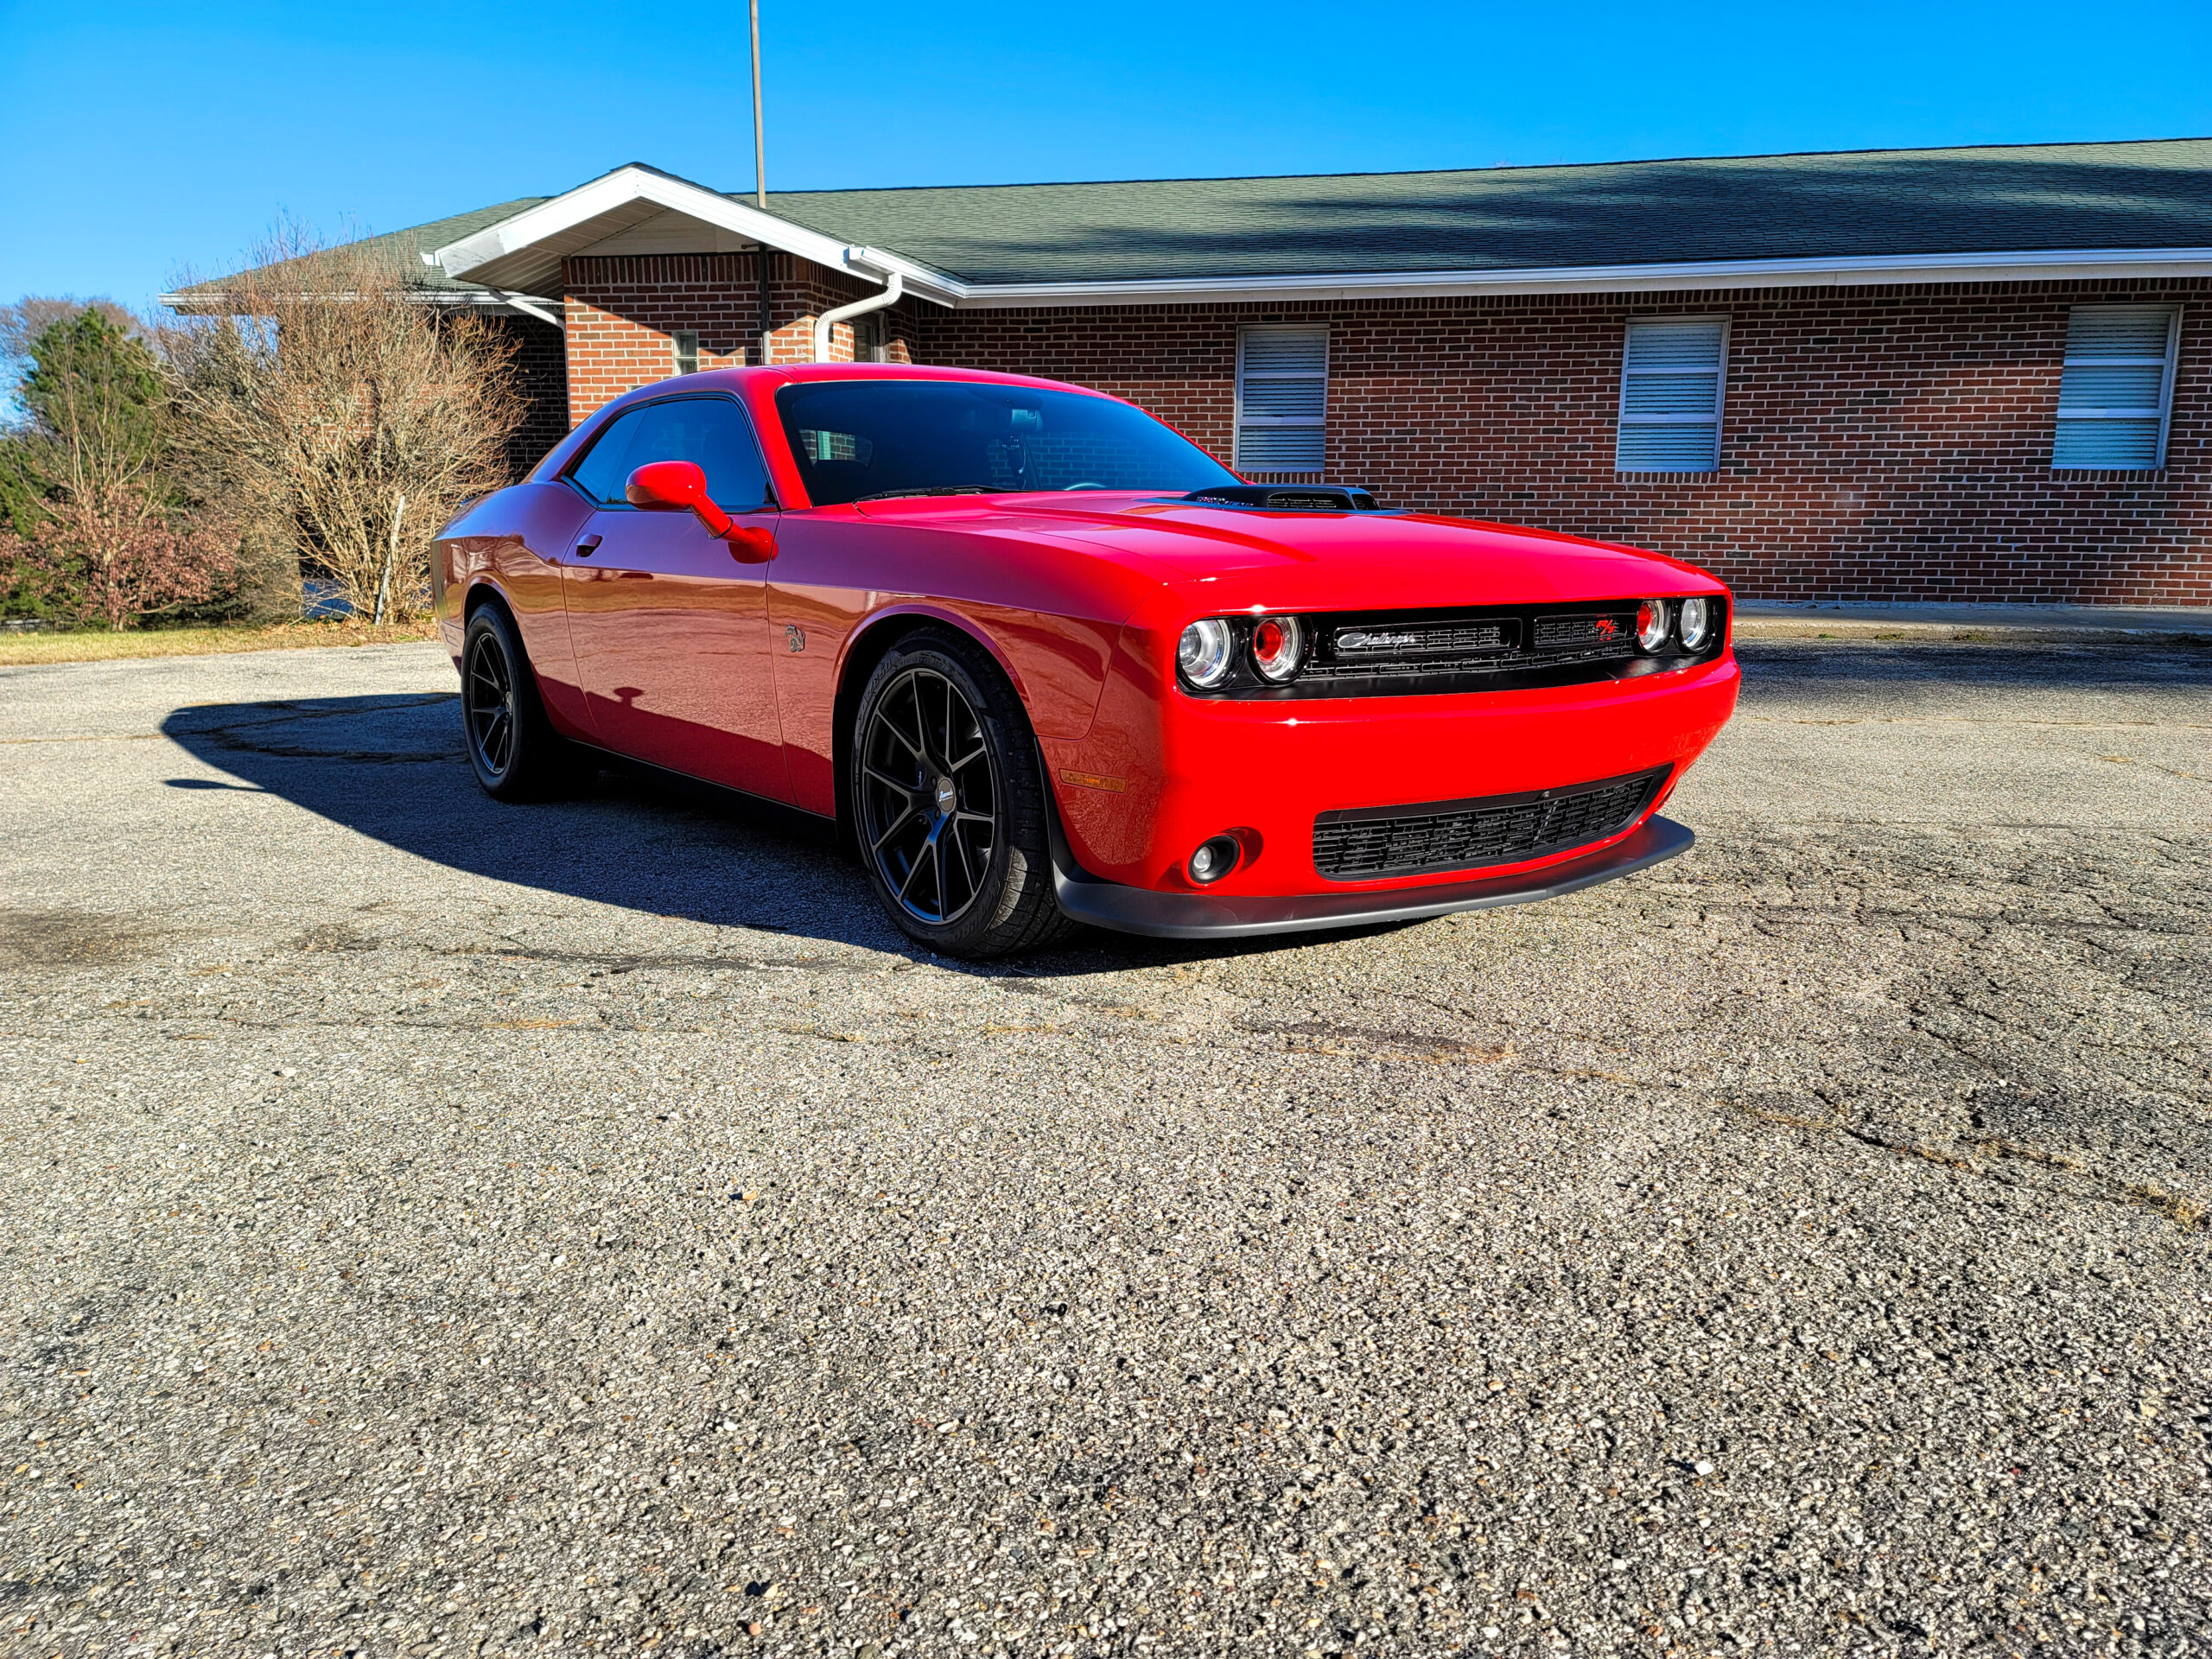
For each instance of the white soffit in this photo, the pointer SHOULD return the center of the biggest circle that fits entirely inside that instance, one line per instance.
(523, 253)
(670, 231)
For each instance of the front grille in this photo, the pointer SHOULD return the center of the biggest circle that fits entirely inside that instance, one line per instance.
(1468, 835)
(1614, 630)
(1363, 646)
(1397, 653)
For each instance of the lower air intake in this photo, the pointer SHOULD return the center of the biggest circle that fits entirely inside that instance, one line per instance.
(1469, 835)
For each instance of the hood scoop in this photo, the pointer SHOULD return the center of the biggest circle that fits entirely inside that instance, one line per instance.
(1288, 497)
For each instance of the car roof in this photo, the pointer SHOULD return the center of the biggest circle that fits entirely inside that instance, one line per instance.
(736, 381)
(731, 380)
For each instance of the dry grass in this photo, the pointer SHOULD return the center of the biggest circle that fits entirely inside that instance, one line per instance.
(88, 646)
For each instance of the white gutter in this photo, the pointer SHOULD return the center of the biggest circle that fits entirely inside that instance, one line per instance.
(483, 299)
(895, 284)
(2059, 266)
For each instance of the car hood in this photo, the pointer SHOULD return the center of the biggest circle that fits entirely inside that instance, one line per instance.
(1321, 560)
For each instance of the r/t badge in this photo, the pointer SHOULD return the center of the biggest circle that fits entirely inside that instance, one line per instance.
(794, 637)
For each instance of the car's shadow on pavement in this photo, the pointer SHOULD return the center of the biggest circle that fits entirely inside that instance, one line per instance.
(392, 768)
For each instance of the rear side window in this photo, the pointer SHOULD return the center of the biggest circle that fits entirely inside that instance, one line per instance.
(858, 440)
(711, 431)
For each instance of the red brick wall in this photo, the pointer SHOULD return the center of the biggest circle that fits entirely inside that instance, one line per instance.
(1876, 443)
(620, 311)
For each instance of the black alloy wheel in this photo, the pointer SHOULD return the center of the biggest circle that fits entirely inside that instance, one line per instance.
(490, 705)
(929, 803)
(949, 804)
(512, 747)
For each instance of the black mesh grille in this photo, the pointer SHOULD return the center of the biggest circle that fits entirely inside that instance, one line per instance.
(1468, 834)
(1607, 631)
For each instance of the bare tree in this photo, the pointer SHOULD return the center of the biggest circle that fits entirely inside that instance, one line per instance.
(331, 397)
(97, 527)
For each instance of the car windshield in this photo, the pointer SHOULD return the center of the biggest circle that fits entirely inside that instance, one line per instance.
(857, 439)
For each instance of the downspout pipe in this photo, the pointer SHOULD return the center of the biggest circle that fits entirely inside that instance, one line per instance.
(529, 305)
(893, 286)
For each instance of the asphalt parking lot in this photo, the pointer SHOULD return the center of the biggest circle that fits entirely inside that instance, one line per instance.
(439, 1228)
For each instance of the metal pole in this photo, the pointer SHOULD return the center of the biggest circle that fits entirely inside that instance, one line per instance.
(761, 183)
(759, 130)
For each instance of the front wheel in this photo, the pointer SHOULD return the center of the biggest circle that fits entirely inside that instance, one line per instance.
(948, 803)
(512, 747)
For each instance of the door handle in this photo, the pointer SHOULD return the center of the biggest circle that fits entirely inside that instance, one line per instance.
(589, 546)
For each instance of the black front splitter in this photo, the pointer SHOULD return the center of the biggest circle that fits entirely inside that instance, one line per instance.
(1204, 916)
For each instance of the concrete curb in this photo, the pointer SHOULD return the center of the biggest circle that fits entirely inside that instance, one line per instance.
(1960, 625)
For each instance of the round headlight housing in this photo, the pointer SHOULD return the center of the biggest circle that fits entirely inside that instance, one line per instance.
(1205, 652)
(1695, 628)
(1278, 648)
(1651, 623)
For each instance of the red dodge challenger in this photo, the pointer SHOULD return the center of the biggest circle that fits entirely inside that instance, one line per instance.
(1044, 661)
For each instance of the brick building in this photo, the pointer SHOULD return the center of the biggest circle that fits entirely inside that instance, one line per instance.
(1962, 374)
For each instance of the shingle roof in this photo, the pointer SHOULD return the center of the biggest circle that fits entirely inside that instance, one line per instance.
(409, 245)
(2038, 197)
(2028, 198)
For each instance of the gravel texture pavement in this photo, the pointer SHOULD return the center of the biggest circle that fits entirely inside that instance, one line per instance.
(434, 1227)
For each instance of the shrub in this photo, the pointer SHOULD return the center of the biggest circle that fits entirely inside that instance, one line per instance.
(120, 562)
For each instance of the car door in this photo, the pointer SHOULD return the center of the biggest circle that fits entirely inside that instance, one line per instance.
(669, 626)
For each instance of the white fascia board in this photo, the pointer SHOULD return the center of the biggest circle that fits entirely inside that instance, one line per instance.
(481, 299)
(2055, 266)
(628, 185)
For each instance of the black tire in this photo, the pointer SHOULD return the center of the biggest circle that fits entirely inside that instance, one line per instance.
(948, 801)
(512, 747)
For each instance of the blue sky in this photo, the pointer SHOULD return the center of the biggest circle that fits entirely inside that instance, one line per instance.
(145, 142)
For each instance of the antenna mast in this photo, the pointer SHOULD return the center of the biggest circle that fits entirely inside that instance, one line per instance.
(760, 192)
(759, 131)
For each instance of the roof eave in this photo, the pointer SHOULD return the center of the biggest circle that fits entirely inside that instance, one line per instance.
(2063, 264)
(206, 302)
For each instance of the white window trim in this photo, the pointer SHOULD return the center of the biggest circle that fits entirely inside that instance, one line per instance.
(2165, 412)
(1277, 422)
(1621, 418)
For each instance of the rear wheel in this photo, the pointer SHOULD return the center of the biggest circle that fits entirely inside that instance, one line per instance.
(948, 803)
(516, 753)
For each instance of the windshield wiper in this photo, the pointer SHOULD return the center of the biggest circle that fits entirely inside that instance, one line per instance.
(934, 489)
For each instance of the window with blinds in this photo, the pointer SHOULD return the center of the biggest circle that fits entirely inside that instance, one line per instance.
(1282, 399)
(2116, 392)
(1671, 374)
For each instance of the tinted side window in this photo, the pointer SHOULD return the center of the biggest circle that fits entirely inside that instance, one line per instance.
(711, 431)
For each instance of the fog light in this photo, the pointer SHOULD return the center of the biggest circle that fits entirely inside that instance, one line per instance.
(1651, 623)
(1214, 859)
(1203, 654)
(1278, 647)
(1696, 628)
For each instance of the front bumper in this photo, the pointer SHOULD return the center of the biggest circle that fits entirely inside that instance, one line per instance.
(1230, 916)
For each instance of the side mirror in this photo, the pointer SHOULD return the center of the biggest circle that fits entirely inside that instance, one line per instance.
(666, 485)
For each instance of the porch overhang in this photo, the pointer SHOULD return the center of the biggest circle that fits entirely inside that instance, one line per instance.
(524, 254)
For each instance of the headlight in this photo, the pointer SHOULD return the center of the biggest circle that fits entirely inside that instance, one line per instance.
(1278, 647)
(1696, 627)
(1651, 623)
(1203, 654)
